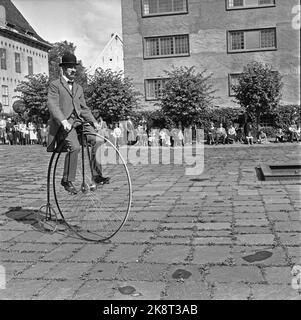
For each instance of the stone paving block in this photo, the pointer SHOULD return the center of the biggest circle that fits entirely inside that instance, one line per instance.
(126, 253)
(274, 292)
(21, 289)
(211, 254)
(294, 226)
(228, 274)
(231, 291)
(91, 252)
(37, 270)
(252, 230)
(9, 235)
(68, 271)
(248, 215)
(145, 290)
(278, 275)
(103, 271)
(95, 290)
(63, 251)
(169, 241)
(254, 239)
(213, 226)
(15, 256)
(211, 240)
(251, 222)
(187, 290)
(184, 272)
(132, 237)
(290, 238)
(59, 290)
(142, 272)
(176, 233)
(32, 247)
(277, 257)
(249, 209)
(29, 236)
(167, 254)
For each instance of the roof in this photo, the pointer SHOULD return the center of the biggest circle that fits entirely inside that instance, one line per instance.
(15, 22)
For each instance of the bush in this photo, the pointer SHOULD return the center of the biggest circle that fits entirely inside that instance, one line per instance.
(285, 114)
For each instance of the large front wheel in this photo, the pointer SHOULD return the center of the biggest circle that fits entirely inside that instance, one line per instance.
(95, 214)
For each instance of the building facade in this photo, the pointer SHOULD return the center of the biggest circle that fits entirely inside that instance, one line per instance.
(111, 57)
(221, 36)
(22, 52)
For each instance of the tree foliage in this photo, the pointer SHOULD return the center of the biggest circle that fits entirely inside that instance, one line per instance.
(110, 95)
(285, 114)
(33, 93)
(55, 54)
(258, 90)
(186, 95)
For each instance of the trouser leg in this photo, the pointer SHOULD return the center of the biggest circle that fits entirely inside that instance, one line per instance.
(71, 158)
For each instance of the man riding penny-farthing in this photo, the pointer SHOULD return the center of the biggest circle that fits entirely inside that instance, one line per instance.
(93, 204)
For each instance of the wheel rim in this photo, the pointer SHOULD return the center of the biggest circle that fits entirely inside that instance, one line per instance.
(95, 215)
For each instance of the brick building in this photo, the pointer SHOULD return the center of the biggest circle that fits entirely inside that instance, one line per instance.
(22, 52)
(221, 36)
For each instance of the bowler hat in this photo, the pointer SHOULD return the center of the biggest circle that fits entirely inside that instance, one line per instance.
(68, 59)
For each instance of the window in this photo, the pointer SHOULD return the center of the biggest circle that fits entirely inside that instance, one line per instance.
(252, 40)
(233, 81)
(5, 95)
(160, 7)
(3, 58)
(153, 88)
(30, 66)
(18, 62)
(245, 4)
(166, 46)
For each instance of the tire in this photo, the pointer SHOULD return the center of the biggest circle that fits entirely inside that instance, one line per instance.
(95, 214)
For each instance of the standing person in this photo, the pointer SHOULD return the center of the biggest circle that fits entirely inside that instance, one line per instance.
(221, 134)
(67, 107)
(10, 131)
(117, 134)
(249, 133)
(131, 138)
(44, 134)
(231, 134)
(2, 129)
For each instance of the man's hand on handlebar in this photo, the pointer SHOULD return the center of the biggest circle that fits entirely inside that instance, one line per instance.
(66, 125)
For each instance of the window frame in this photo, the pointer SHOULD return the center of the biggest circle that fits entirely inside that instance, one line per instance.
(143, 15)
(3, 61)
(30, 67)
(228, 8)
(146, 88)
(145, 57)
(230, 51)
(4, 96)
(17, 70)
(230, 84)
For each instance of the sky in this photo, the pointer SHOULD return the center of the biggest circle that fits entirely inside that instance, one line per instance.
(88, 24)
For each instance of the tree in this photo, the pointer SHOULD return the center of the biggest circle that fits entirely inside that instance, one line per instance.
(285, 114)
(33, 92)
(55, 54)
(258, 90)
(111, 96)
(186, 95)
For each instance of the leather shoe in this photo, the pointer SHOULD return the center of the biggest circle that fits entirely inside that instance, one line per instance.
(68, 186)
(101, 180)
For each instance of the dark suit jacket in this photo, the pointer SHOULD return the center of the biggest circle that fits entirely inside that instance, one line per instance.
(61, 104)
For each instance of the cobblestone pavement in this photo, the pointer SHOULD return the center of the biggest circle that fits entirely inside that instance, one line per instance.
(221, 235)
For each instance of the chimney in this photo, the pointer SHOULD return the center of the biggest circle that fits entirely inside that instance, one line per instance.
(2, 16)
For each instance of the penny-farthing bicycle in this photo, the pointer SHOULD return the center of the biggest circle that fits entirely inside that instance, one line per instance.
(95, 213)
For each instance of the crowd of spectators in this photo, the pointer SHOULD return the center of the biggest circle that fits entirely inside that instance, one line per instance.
(248, 134)
(126, 133)
(14, 132)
